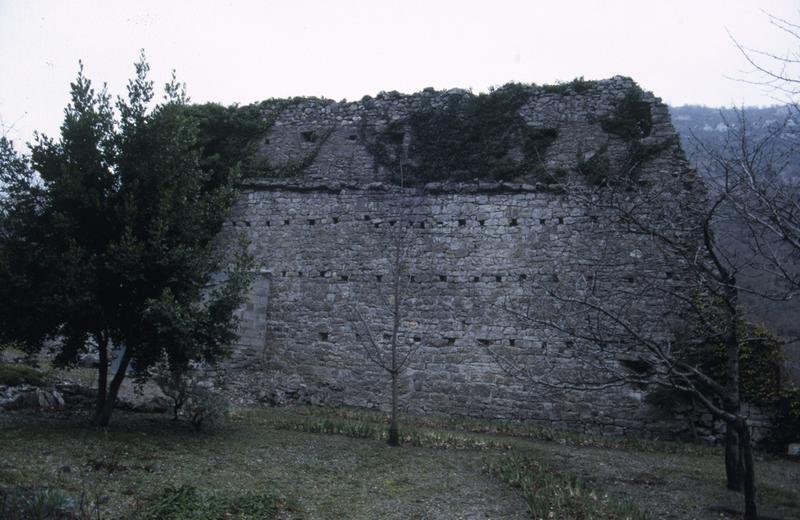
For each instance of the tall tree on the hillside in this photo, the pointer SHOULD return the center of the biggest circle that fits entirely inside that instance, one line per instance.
(127, 219)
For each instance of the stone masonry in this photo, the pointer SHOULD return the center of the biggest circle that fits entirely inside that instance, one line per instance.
(324, 236)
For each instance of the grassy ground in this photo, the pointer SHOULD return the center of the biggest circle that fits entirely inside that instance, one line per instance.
(447, 469)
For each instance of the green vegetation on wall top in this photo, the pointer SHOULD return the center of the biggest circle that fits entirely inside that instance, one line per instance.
(470, 137)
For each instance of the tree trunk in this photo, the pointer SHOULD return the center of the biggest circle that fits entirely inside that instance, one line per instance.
(732, 400)
(103, 414)
(732, 459)
(394, 432)
(749, 473)
(102, 370)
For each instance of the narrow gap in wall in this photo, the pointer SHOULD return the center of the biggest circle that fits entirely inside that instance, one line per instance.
(377, 225)
(476, 278)
(300, 274)
(351, 137)
(485, 342)
(323, 336)
(367, 217)
(512, 342)
(498, 278)
(462, 222)
(268, 223)
(523, 277)
(560, 220)
(335, 220)
(311, 222)
(309, 136)
(283, 273)
(481, 222)
(286, 222)
(442, 277)
(512, 222)
(417, 339)
(451, 341)
(392, 222)
(542, 221)
(323, 274)
(378, 278)
(345, 278)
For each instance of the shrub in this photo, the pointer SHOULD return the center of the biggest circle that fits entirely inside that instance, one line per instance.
(15, 374)
(632, 118)
(205, 406)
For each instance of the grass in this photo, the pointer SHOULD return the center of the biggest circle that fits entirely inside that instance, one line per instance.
(309, 463)
(551, 495)
(498, 428)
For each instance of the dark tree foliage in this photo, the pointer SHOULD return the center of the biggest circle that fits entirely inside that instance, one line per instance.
(123, 226)
(24, 315)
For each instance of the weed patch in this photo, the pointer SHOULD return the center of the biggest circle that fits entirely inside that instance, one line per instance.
(550, 495)
(187, 503)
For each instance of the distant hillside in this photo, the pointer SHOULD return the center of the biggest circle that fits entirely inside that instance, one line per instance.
(708, 127)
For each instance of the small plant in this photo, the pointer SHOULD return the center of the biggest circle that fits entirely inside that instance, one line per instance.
(16, 374)
(577, 85)
(205, 406)
(193, 397)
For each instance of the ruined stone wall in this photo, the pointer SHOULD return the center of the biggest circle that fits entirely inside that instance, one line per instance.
(324, 238)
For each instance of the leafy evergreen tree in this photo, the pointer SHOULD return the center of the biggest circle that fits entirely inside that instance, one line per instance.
(125, 219)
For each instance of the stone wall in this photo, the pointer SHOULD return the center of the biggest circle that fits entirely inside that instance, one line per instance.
(476, 253)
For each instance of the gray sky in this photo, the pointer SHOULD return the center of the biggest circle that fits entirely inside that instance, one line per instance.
(239, 51)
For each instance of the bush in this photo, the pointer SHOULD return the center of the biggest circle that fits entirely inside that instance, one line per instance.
(15, 374)
(205, 406)
(632, 118)
(193, 397)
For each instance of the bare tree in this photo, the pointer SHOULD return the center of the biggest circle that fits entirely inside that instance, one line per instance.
(653, 333)
(386, 344)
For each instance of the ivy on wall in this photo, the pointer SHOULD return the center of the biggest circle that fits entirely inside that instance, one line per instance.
(468, 137)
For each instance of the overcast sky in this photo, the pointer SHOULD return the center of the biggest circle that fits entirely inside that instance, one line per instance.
(239, 51)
